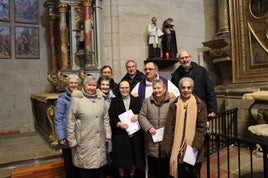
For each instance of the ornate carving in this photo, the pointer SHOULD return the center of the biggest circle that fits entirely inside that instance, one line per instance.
(87, 2)
(52, 137)
(63, 7)
(53, 79)
(62, 78)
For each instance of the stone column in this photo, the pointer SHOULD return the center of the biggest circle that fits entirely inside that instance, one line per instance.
(63, 7)
(51, 21)
(223, 17)
(90, 62)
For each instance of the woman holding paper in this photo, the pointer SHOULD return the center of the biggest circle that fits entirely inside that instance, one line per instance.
(186, 121)
(128, 149)
(152, 118)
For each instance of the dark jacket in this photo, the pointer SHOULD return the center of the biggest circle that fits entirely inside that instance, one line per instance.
(136, 79)
(126, 150)
(203, 86)
(200, 131)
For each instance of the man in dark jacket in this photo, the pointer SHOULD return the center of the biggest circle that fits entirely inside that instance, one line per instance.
(203, 85)
(133, 75)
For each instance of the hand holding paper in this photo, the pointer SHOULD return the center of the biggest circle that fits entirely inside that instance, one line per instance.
(126, 118)
(190, 156)
(158, 136)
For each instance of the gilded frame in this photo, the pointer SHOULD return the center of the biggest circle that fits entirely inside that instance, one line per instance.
(248, 33)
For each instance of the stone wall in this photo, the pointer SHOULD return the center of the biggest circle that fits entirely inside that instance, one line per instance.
(124, 37)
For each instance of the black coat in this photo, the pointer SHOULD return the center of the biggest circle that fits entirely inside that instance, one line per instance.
(203, 86)
(169, 44)
(133, 81)
(127, 150)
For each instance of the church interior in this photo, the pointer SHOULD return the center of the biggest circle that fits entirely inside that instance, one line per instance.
(41, 44)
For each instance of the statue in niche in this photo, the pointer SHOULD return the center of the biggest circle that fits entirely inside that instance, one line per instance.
(169, 43)
(155, 35)
(81, 37)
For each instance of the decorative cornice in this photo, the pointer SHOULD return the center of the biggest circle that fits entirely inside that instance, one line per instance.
(87, 3)
(63, 7)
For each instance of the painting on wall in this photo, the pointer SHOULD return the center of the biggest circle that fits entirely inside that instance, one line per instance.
(26, 11)
(4, 10)
(5, 47)
(26, 42)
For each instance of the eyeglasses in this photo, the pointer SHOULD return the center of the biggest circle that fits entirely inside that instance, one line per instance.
(150, 69)
(185, 57)
(123, 88)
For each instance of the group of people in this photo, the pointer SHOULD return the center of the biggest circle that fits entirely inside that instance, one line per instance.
(171, 116)
(166, 38)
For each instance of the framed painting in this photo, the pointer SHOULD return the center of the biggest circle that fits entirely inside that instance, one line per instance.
(26, 11)
(5, 46)
(27, 42)
(4, 10)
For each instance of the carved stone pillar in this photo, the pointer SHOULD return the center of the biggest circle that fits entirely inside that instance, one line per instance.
(63, 7)
(223, 17)
(90, 61)
(54, 62)
(51, 21)
(220, 46)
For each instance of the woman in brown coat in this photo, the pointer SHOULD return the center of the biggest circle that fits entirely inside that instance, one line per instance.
(185, 126)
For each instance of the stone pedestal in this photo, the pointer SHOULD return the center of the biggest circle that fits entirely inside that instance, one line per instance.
(259, 109)
(43, 106)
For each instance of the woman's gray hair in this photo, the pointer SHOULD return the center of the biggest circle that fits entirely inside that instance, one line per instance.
(156, 81)
(73, 76)
(186, 79)
(89, 79)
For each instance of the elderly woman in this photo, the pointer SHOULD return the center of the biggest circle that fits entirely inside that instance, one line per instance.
(128, 152)
(151, 117)
(104, 88)
(62, 106)
(107, 72)
(88, 130)
(185, 126)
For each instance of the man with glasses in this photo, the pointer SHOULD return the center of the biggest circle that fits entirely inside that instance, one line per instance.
(133, 75)
(202, 82)
(144, 88)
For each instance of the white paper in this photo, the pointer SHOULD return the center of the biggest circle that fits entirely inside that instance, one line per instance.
(158, 136)
(126, 119)
(190, 156)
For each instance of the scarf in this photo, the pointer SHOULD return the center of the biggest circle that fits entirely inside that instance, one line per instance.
(184, 131)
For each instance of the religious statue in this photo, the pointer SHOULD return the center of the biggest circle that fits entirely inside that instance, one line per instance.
(155, 35)
(169, 43)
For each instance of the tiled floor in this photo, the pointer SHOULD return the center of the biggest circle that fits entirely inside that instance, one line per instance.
(17, 150)
(257, 164)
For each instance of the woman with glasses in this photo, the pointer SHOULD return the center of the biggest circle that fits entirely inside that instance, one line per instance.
(73, 82)
(128, 152)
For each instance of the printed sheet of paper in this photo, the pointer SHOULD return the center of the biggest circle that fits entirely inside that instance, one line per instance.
(126, 119)
(190, 156)
(158, 136)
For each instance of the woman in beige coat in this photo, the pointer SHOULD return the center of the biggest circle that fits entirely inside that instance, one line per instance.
(88, 130)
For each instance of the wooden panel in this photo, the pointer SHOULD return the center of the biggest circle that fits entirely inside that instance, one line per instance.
(51, 170)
